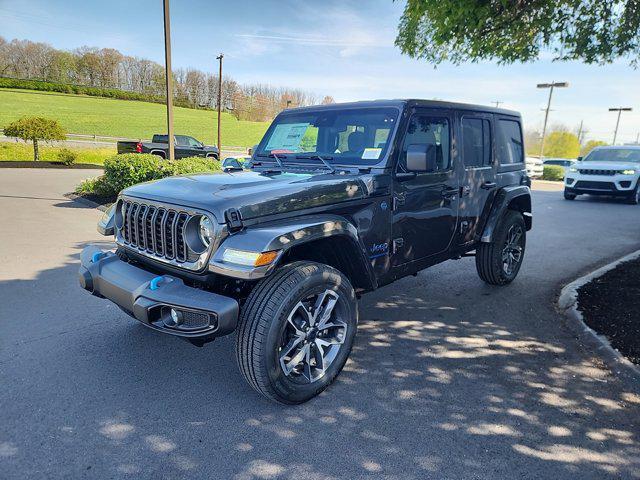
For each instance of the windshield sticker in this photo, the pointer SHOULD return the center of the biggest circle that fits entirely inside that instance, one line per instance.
(371, 153)
(287, 136)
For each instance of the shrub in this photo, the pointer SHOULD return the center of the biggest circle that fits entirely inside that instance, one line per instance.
(97, 186)
(553, 172)
(122, 171)
(191, 165)
(66, 156)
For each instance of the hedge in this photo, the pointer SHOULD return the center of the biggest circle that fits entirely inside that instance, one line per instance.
(553, 172)
(44, 86)
(123, 171)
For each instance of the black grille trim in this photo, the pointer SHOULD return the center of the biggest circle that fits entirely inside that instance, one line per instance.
(604, 186)
(590, 171)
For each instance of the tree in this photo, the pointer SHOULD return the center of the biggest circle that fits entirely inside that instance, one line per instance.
(34, 129)
(562, 145)
(328, 100)
(508, 31)
(590, 145)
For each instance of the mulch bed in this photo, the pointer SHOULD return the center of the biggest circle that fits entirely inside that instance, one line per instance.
(42, 164)
(91, 199)
(610, 305)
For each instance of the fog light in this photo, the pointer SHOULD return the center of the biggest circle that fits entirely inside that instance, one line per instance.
(174, 319)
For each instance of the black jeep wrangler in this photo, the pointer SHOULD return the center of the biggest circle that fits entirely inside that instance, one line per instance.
(341, 199)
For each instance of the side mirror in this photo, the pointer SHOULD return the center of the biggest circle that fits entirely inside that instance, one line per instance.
(579, 159)
(421, 157)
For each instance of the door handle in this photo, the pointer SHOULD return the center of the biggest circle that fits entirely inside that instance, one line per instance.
(488, 185)
(449, 192)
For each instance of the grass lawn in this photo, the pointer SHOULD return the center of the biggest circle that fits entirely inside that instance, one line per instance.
(125, 118)
(24, 151)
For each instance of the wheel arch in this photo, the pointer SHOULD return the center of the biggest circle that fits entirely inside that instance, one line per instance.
(329, 239)
(516, 198)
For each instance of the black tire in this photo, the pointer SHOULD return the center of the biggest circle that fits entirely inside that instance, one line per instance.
(490, 262)
(264, 332)
(634, 198)
(569, 196)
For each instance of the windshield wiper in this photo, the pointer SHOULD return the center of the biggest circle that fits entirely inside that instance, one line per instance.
(271, 155)
(322, 159)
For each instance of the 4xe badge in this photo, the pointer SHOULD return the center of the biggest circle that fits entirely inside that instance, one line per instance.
(379, 250)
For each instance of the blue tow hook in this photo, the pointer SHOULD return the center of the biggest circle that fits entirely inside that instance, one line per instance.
(97, 256)
(154, 284)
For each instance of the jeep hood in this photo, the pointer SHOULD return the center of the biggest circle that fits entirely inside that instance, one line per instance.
(254, 194)
(607, 165)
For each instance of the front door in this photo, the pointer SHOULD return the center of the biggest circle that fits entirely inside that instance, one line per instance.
(426, 205)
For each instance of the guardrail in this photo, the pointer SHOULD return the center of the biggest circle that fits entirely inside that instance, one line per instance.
(107, 140)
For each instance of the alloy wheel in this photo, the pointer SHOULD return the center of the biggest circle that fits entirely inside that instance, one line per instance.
(312, 338)
(512, 251)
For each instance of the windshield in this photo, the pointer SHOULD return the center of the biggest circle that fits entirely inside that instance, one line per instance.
(614, 155)
(352, 136)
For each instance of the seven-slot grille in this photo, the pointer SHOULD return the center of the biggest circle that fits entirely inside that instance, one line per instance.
(156, 230)
(597, 172)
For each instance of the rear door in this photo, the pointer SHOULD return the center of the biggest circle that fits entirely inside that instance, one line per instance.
(426, 205)
(479, 173)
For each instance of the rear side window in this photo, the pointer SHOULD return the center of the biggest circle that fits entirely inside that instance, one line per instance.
(476, 142)
(510, 145)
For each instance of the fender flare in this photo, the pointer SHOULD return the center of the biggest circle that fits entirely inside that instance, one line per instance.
(518, 196)
(282, 236)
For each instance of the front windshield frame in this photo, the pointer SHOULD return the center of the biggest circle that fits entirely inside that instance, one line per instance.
(290, 158)
(595, 154)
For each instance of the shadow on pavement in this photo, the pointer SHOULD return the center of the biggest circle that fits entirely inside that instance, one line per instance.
(431, 391)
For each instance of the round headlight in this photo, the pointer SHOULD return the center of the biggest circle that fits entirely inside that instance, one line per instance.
(206, 230)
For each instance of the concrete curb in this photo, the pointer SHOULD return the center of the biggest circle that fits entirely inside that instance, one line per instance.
(47, 164)
(568, 305)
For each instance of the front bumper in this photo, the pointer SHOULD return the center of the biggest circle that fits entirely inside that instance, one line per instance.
(149, 297)
(614, 185)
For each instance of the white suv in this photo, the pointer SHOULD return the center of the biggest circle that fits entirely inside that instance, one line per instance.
(606, 171)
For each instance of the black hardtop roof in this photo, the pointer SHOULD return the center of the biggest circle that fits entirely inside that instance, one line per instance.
(409, 102)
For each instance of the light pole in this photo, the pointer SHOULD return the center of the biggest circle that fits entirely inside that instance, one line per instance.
(619, 110)
(497, 102)
(168, 77)
(550, 86)
(219, 58)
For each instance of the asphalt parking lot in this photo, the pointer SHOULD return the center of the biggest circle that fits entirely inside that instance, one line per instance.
(449, 378)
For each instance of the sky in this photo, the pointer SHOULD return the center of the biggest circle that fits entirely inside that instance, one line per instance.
(340, 48)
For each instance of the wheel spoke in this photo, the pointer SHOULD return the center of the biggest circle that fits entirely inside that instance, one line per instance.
(324, 306)
(306, 314)
(289, 366)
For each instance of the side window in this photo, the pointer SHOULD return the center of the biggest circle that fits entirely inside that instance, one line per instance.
(510, 145)
(193, 142)
(181, 141)
(426, 129)
(476, 142)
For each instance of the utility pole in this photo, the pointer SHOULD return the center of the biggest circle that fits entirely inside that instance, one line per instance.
(219, 58)
(497, 102)
(580, 132)
(619, 110)
(168, 77)
(550, 86)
